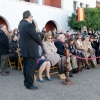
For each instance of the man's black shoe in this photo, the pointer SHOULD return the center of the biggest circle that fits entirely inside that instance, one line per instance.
(32, 87)
(7, 72)
(75, 71)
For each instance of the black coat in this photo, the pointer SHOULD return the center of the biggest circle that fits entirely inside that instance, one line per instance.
(72, 49)
(29, 39)
(4, 44)
(60, 47)
(13, 45)
(96, 45)
(42, 34)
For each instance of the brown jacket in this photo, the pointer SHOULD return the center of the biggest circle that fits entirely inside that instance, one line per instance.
(86, 47)
(78, 46)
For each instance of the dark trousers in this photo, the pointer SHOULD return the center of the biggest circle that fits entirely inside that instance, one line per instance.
(4, 63)
(29, 70)
(15, 59)
(97, 53)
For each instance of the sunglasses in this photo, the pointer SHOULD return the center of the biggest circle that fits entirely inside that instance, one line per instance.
(49, 38)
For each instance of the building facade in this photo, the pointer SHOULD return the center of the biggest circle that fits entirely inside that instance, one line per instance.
(46, 13)
(97, 3)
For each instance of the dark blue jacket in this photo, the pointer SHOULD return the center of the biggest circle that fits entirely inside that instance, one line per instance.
(60, 47)
(29, 39)
(72, 49)
(4, 43)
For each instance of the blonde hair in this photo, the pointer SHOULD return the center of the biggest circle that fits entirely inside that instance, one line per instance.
(46, 36)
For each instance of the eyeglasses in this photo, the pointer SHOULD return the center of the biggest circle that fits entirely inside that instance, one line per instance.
(49, 38)
(79, 38)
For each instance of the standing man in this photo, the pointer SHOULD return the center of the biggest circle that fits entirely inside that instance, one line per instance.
(29, 40)
(4, 50)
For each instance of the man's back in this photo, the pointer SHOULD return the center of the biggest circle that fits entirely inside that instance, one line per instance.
(29, 39)
(4, 44)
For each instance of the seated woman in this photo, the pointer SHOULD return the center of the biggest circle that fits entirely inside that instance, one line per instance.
(51, 54)
(42, 64)
(73, 51)
(89, 51)
(13, 46)
(80, 48)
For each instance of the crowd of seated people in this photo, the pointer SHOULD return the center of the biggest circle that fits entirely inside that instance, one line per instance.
(80, 44)
(84, 45)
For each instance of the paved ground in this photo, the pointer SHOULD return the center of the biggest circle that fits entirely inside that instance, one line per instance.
(86, 87)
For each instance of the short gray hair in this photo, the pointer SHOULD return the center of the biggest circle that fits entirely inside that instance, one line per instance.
(60, 36)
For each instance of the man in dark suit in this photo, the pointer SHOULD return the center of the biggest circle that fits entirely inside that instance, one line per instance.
(4, 50)
(29, 40)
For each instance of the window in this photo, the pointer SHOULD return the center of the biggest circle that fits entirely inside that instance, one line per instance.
(52, 3)
(36, 1)
(74, 5)
(87, 6)
(81, 4)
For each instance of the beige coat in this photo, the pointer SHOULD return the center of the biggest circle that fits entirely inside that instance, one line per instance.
(51, 52)
(87, 46)
(79, 45)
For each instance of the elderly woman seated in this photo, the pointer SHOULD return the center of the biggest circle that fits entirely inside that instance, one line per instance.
(60, 44)
(89, 51)
(52, 55)
(80, 48)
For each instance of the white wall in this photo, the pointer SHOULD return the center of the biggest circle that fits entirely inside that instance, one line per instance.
(68, 4)
(12, 11)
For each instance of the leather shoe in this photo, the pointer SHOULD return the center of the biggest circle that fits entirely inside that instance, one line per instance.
(4, 74)
(87, 67)
(32, 87)
(75, 71)
(7, 72)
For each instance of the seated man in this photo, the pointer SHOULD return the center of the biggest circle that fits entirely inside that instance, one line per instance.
(60, 45)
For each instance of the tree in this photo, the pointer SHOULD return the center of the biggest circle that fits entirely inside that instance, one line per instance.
(92, 19)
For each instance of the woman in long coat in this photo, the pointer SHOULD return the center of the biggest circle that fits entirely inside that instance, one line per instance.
(52, 55)
(89, 51)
